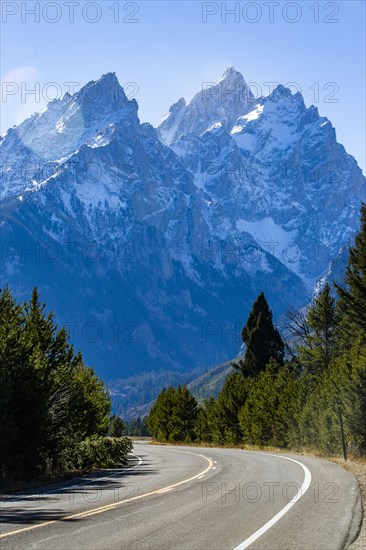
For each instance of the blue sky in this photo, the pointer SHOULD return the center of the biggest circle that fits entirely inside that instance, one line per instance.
(168, 49)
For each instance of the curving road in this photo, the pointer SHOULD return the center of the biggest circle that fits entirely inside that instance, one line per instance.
(191, 498)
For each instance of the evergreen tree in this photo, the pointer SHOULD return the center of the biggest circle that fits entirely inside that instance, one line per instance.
(184, 414)
(346, 395)
(40, 327)
(318, 347)
(352, 297)
(50, 401)
(205, 423)
(229, 402)
(116, 427)
(268, 413)
(262, 340)
(173, 415)
(159, 419)
(18, 384)
(90, 404)
(137, 426)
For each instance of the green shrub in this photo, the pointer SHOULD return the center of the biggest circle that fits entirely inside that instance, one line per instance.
(101, 452)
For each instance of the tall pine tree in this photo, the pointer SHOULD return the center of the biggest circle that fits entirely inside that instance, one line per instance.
(318, 348)
(262, 339)
(352, 297)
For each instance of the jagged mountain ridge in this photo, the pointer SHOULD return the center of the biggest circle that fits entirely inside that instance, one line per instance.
(151, 252)
(277, 173)
(223, 102)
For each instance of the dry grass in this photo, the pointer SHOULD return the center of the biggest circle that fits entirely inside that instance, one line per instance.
(358, 469)
(269, 448)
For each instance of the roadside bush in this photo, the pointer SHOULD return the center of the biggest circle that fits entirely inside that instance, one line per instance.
(101, 452)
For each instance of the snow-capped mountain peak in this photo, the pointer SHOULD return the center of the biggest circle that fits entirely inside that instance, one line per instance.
(232, 76)
(60, 129)
(222, 102)
(105, 93)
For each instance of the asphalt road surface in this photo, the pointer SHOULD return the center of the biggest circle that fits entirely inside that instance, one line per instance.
(191, 498)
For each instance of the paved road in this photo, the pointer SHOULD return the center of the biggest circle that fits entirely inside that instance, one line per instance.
(190, 498)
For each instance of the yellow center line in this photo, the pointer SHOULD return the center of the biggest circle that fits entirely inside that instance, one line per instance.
(107, 507)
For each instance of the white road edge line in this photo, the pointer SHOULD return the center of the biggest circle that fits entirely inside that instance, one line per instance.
(304, 487)
(92, 512)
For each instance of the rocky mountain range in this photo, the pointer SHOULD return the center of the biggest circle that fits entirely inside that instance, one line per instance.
(152, 243)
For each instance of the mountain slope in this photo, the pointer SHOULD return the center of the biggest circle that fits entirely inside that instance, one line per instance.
(152, 252)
